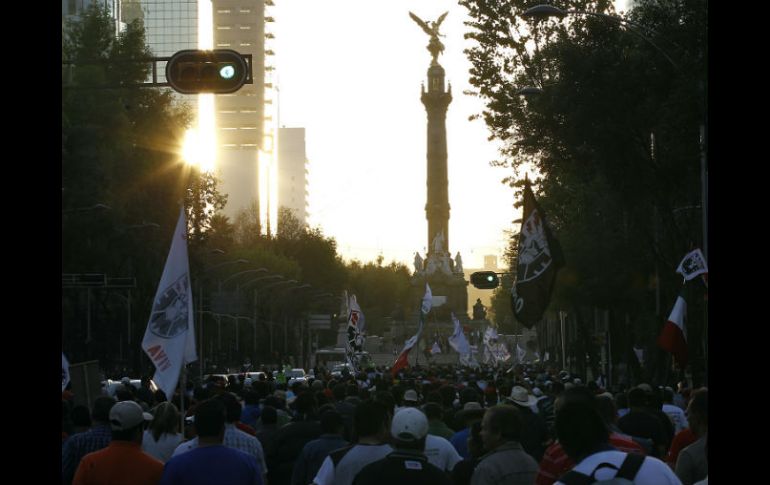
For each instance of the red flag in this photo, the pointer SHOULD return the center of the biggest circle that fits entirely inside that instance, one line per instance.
(673, 338)
(403, 359)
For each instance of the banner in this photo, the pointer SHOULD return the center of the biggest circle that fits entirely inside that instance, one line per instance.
(457, 340)
(65, 372)
(692, 265)
(403, 358)
(169, 340)
(539, 258)
(356, 337)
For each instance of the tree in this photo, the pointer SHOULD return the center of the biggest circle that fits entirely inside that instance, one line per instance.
(610, 193)
(120, 150)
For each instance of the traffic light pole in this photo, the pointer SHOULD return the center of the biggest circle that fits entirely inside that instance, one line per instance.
(68, 68)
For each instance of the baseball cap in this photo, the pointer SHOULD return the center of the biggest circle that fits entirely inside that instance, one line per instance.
(126, 415)
(409, 424)
(411, 395)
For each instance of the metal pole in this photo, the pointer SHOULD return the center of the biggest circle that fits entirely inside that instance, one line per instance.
(200, 329)
(88, 315)
(128, 340)
(562, 316)
(182, 396)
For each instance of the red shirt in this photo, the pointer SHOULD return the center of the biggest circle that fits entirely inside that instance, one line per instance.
(121, 463)
(556, 463)
(682, 439)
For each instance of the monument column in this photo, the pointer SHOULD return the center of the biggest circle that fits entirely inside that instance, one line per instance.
(436, 100)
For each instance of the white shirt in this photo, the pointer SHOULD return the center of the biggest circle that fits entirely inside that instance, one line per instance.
(652, 471)
(348, 467)
(163, 448)
(677, 417)
(441, 453)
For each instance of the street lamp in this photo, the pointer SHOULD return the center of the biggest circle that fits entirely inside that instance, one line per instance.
(200, 301)
(248, 271)
(542, 12)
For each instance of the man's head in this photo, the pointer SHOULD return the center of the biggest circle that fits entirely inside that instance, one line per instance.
(500, 425)
(269, 415)
(409, 429)
(432, 411)
(232, 406)
(210, 420)
(127, 421)
(370, 419)
(331, 422)
(411, 398)
(100, 413)
(579, 426)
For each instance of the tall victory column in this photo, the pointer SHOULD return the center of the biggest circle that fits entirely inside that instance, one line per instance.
(443, 273)
(436, 100)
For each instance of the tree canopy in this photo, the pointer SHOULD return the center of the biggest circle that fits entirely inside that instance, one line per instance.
(613, 134)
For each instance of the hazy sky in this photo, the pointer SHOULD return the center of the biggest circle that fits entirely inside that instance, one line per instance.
(349, 72)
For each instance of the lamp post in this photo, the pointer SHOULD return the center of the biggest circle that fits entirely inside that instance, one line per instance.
(200, 301)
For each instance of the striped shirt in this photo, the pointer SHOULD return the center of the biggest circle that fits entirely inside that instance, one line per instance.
(556, 463)
(79, 445)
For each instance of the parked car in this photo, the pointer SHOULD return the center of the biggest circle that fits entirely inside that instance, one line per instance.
(296, 375)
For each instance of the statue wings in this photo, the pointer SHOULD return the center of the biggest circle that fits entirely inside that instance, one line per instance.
(421, 23)
(440, 19)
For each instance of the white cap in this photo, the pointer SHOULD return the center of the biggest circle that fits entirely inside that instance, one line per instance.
(411, 395)
(409, 424)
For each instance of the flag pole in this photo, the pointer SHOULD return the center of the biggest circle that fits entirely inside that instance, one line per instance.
(183, 386)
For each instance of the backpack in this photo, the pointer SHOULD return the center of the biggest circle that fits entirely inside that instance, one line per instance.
(625, 474)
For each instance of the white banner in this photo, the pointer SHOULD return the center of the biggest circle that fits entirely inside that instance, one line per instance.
(692, 265)
(169, 340)
(457, 340)
(65, 372)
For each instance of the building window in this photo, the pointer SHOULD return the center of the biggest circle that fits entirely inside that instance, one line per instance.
(223, 27)
(245, 27)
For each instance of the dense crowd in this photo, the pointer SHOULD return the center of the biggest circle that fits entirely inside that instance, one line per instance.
(441, 424)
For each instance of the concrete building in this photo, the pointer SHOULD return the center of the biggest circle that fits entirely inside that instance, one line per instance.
(292, 172)
(240, 116)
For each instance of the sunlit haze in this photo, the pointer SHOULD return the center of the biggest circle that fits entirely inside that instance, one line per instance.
(350, 73)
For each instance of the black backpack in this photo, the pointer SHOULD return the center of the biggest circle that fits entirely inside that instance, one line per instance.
(625, 475)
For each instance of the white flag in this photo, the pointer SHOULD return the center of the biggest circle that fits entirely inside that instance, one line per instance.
(520, 353)
(169, 340)
(356, 337)
(692, 265)
(457, 340)
(427, 300)
(65, 372)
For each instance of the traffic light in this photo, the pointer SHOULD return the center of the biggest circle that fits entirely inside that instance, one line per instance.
(216, 71)
(485, 280)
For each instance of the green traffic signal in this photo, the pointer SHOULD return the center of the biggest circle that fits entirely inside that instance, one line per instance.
(485, 280)
(218, 71)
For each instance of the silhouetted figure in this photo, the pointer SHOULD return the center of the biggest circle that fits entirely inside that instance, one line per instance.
(479, 310)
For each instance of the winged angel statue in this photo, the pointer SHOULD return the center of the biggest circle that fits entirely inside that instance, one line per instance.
(435, 47)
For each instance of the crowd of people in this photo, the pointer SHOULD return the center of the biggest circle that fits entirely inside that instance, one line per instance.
(430, 425)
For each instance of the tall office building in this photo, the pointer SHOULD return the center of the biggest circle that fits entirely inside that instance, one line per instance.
(240, 116)
(292, 172)
(71, 10)
(169, 25)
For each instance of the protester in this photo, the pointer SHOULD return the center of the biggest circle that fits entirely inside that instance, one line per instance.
(122, 461)
(692, 463)
(211, 461)
(406, 464)
(506, 462)
(585, 437)
(96, 438)
(313, 454)
(163, 436)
